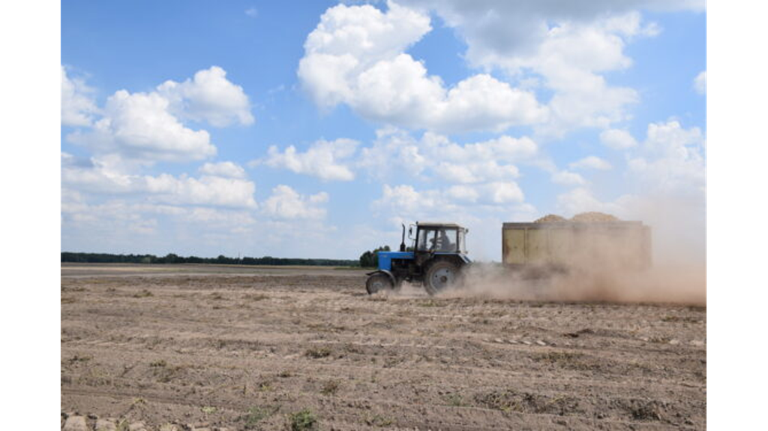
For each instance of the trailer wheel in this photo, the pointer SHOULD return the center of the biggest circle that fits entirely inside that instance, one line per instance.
(441, 275)
(377, 283)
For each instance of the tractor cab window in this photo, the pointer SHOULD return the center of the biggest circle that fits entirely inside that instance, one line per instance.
(425, 238)
(462, 241)
(440, 240)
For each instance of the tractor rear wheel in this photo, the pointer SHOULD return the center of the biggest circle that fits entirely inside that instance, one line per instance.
(378, 283)
(441, 275)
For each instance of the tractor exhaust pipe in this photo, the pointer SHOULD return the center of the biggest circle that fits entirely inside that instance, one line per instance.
(402, 242)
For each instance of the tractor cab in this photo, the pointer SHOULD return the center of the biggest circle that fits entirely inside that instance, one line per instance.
(439, 238)
(435, 259)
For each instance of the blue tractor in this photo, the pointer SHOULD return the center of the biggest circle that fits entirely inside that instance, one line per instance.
(436, 259)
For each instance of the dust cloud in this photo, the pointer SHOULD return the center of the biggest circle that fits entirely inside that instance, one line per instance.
(677, 273)
(661, 284)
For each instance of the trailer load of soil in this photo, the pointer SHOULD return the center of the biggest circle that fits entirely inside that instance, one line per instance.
(551, 218)
(585, 217)
(593, 217)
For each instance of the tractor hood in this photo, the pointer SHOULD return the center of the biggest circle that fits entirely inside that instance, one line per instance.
(385, 258)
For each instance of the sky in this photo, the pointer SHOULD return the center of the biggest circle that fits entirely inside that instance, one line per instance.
(314, 129)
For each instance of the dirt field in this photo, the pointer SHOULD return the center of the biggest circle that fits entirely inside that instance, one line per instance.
(202, 347)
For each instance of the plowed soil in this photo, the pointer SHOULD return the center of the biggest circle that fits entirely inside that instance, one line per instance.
(202, 347)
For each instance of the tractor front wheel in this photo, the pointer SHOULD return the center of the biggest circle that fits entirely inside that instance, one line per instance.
(441, 275)
(378, 283)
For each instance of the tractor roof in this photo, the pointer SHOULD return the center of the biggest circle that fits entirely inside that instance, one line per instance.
(438, 224)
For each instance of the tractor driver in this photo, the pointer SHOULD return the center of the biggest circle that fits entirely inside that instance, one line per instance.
(443, 242)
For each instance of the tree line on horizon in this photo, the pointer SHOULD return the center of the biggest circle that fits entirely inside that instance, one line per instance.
(370, 259)
(171, 258)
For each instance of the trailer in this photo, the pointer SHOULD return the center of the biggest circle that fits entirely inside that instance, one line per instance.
(568, 244)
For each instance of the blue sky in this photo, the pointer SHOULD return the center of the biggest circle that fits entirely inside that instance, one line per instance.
(178, 120)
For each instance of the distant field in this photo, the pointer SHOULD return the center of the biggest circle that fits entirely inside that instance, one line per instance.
(69, 269)
(229, 347)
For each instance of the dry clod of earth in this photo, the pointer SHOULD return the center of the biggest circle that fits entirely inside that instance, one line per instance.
(312, 351)
(105, 425)
(75, 423)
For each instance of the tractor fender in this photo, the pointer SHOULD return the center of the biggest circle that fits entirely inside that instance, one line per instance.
(384, 271)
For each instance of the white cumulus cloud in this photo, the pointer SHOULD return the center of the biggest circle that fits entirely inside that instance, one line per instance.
(223, 169)
(356, 56)
(209, 96)
(568, 44)
(591, 162)
(206, 190)
(395, 152)
(567, 178)
(617, 139)
(287, 203)
(144, 128)
(700, 83)
(77, 104)
(139, 126)
(666, 170)
(672, 159)
(323, 159)
(94, 177)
